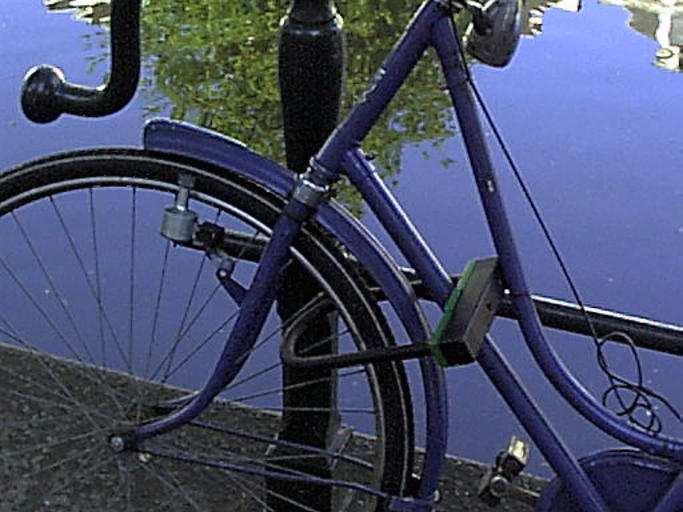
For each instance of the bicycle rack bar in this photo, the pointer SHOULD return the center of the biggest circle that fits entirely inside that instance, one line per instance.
(554, 313)
(567, 316)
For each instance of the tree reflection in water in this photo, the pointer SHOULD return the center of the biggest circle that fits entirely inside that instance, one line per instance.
(214, 63)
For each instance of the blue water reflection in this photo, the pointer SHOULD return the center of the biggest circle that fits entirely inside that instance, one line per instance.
(592, 124)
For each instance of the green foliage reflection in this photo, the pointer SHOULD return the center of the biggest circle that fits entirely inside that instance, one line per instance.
(215, 63)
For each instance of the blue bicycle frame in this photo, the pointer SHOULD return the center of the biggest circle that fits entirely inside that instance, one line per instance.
(433, 26)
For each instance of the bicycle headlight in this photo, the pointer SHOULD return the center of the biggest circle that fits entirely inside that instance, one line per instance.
(495, 43)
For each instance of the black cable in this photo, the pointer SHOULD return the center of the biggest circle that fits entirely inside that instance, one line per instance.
(642, 396)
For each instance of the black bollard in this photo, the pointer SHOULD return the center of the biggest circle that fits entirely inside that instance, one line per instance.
(311, 72)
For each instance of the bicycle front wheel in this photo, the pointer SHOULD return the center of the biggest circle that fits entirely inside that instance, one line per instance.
(105, 324)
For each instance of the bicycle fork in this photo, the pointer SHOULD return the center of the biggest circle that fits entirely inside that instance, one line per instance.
(256, 303)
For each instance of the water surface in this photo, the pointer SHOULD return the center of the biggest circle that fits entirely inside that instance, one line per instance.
(590, 107)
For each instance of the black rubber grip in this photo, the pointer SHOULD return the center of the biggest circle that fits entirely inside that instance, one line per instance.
(46, 94)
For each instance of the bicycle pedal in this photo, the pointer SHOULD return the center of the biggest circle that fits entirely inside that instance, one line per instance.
(468, 314)
(497, 482)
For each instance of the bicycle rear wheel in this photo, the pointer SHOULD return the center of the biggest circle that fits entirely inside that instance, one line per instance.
(105, 324)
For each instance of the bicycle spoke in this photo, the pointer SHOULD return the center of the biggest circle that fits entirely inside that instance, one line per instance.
(98, 279)
(279, 442)
(199, 312)
(95, 292)
(170, 354)
(67, 401)
(79, 405)
(175, 486)
(100, 305)
(122, 474)
(60, 298)
(157, 308)
(61, 462)
(277, 495)
(131, 294)
(253, 376)
(91, 470)
(40, 310)
(246, 489)
(50, 373)
(9, 425)
(91, 374)
(128, 485)
(279, 364)
(202, 344)
(298, 385)
(190, 299)
(53, 443)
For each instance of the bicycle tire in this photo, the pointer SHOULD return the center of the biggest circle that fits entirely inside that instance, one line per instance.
(64, 281)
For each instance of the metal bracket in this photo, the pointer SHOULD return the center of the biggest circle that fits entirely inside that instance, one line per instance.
(212, 239)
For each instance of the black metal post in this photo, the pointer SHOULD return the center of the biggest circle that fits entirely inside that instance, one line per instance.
(311, 72)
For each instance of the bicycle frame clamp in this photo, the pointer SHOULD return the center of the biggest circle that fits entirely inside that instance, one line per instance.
(313, 186)
(308, 192)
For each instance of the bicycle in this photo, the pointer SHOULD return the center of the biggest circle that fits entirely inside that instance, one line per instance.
(133, 441)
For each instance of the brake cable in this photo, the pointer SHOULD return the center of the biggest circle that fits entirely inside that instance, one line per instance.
(643, 398)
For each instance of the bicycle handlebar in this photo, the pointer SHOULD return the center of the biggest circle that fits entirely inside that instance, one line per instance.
(46, 94)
